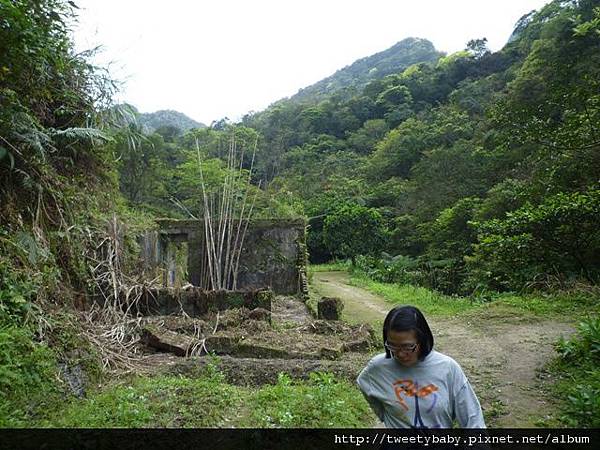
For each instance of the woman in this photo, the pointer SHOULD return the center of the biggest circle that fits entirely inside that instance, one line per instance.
(413, 386)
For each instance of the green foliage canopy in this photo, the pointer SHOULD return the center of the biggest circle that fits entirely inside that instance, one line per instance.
(354, 230)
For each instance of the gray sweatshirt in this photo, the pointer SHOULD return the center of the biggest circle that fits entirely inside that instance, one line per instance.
(430, 394)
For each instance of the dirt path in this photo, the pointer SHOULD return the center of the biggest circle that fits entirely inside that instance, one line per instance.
(502, 355)
(359, 305)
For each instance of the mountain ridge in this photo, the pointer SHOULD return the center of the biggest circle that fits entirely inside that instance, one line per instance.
(355, 76)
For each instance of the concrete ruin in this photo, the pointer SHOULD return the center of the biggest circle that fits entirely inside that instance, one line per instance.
(259, 330)
(273, 255)
(195, 302)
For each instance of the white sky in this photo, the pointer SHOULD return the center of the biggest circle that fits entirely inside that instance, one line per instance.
(211, 59)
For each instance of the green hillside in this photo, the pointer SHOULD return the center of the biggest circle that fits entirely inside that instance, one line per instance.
(472, 165)
(353, 78)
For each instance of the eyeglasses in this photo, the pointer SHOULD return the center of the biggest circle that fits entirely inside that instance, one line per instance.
(402, 348)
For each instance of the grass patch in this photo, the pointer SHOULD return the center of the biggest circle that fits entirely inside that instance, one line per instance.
(208, 401)
(526, 307)
(556, 304)
(166, 401)
(560, 306)
(430, 302)
(337, 266)
(320, 402)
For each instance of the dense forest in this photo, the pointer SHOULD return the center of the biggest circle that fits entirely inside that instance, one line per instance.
(468, 173)
(475, 170)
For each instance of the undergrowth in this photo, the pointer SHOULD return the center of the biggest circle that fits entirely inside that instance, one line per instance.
(430, 302)
(33, 345)
(577, 369)
(329, 267)
(44, 273)
(27, 367)
(28, 371)
(167, 401)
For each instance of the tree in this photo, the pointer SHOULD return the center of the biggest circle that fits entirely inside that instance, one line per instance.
(447, 175)
(401, 148)
(451, 236)
(50, 99)
(363, 140)
(558, 236)
(478, 48)
(354, 230)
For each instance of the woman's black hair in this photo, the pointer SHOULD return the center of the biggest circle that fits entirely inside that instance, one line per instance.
(406, 318)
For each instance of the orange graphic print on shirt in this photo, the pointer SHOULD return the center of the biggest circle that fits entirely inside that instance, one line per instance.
(411, 389)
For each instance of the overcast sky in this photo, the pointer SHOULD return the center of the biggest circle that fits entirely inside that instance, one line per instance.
(211, 59)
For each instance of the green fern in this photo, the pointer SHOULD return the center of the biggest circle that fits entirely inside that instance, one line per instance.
(86, 136)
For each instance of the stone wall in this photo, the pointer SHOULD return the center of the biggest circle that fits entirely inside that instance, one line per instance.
(195, 302)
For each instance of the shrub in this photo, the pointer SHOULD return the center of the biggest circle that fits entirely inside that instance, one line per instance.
(579, 367)
(389, 269)
(27, 377)
(444, 275)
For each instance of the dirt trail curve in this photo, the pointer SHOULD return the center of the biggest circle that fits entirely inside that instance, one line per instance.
(501, 354)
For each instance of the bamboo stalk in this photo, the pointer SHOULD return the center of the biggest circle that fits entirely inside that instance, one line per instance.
(229, 258)
(205, 215)
(182, 207)
(222, 210)
(213, 247)
(226, 218)
(225, 210)
(229, 213)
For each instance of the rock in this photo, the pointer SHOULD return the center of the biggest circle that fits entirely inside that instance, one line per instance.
(330, 308)
(232, 318)
(222, 344)
(180, 324)
(244, 346)
(258, 372)
(74, 376)
(168, 341)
